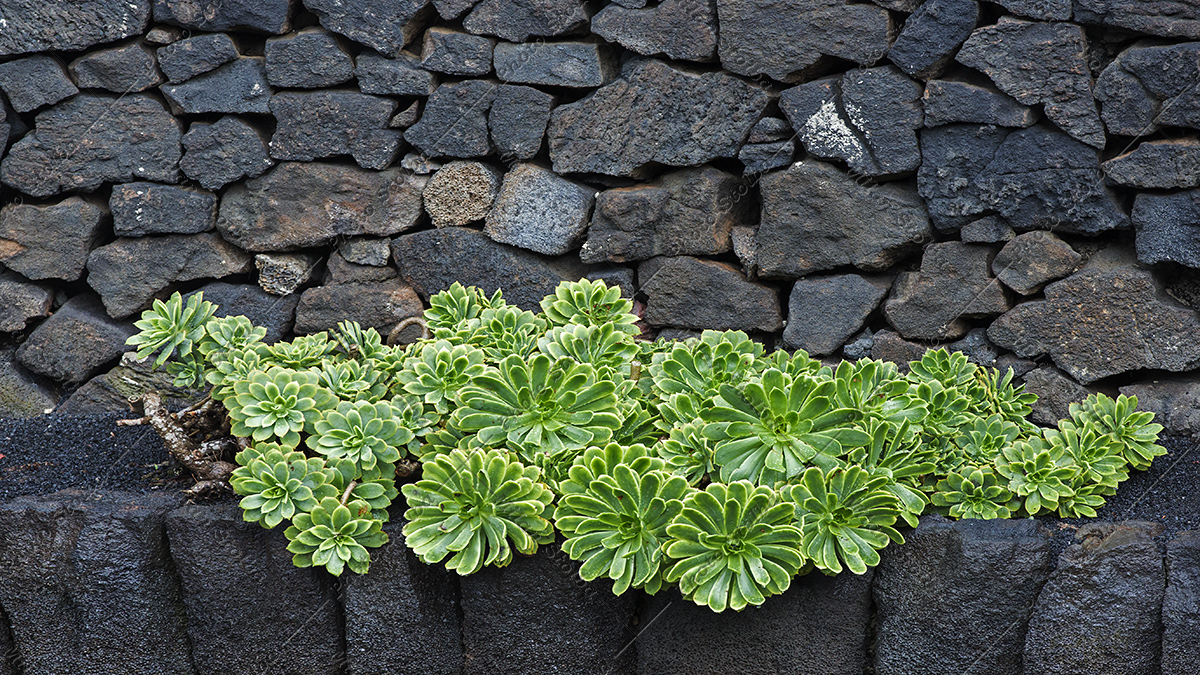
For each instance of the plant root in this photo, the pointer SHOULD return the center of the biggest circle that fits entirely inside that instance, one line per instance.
(202, 459)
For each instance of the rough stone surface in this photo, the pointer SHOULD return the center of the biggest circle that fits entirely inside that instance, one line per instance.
(1115, 576)
(1158, 164)
(953, 159)
(181, 61)
(454, 123)
(1103, 321)
(87, 583)
(954, 101)
(236, 87)
(111, 392)
(300, 205)
(654, 113)
(308, 59)
(1040, 63)
(540, 211)
(816, 627)
(266, 310)
(245, 619)
(222, 152)
(130, 137)
(889, 346)
(932, 35)
(379, 305)
(452, 9)
(677, 29)
(517, 20)
(163, 35)
(988, 570)
(976, 347)
(762, 157)
(402, 596)
(318, 124)
(383, 25)
(621, 277)
(539, 618)
(139, 209)
(23, 302)
(1175, 403)
(1146, 87)
(987, 230)
(1048, 10)
(1168, 227)
(21, 394)
(1055, 391)
(264, 16)
(1168, 18)
(51, 241)
(75, 342)
(556, 64)
(517, 120)
(129, 273)
(461, 193)
(786, 39)
(824, 311)
(953, 286)
(338, 270)
(687, 212)
(692, 293)
(1181, 605)
(1031, 260)
(454, 53)
(769, 130)
(407, 117)
(400, 76)
(815, 217)
(367, 251)
(69, 25)
(432, 260)
(125, 68)
(283, 273)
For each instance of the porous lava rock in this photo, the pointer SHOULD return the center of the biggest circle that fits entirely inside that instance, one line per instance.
(129, 67)
(182, 60)
(1031, 260)
(538, 210)
(379, 305)
(308, 59)
(76, 342)
(1158, 164)
(688, 292)
(932, 35)
(262, 16)
(456, 53)
(1168, 227)
(517, 20)
(51, 241)
(68, 25)
(383, 25)
(239, 86)
(143, 208)
(517, 120)
(676, 29)
(35, 81)
(957, 101)
(225, 151)
(24, 301)
(461, 193)
(319, 124)
(825, 311)
(454, 122)
(556, 64)
(1175, 402)
(22, 395)
(1168, 18)
(399, 76)
(1055, 391)
(953, 286)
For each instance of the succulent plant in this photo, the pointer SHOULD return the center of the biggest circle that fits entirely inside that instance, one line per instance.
(500, 332)
(976, 493)
(995, 395)
(896, 452)
(472, 505)
(335, 536)
(364, 433)
(877, 390)
(278, 403)
(1097, 456)
(456, 305)
(590, 303)
(355, 342)
(600, 460)
(1120, 422)
(600, 346)
(700, 367)
(439, 372)
(188, 373)
(229, 333)
(689, 453)
(412, 414)
(305, 351)
(1083, 501)
(278, 484)
(1037, 472)
(982, 442)
(733, 546)
(352, 380)
(232, 366)
(950, 369)
(846, 517)
(796, 363)
(171, 327)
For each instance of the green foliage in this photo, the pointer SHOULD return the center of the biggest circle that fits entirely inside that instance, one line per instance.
(846, 517)
(1122, 425)
(440, 371)
(334, 536)
(278, 403)
(172, 328)
(973, 494)
(1037, 472)
(278, 484)
(589, 303)
(362, 432)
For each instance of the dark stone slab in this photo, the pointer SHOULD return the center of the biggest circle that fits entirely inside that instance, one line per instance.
(69, 25)
(51, 241)
(888, 346)
(1031, 260)
(383, 25)
(23, 301)
(676, 29)
(76, 342)
(1155, 17)
(1047, 10)
(366, 251)
(139, 209)
(286, 209)
(225, 151)
(953, 101)
(249, 300)
(339, 271)
(379, 305)
(129, 138)
(540, 211)
(1158, 164)
(452, 9)
(517, 20)
(953, 158)
(769, 130)
(1174, 401)
(517, 120)
(988, 570)
(22, 394)
(182, 60)
(819, 626)
(689, 292)
(557, 64)
(1115, 576)
(400, 76)
(976, 347)
(454, 123)
(987, 230)
(261, 16)
(454, 53)
(461, 193)
(87, 581)
(1144, 88)
(762, 157)
(1181, 605)
(825, 311)
(128, 67)
(249, 609)
(932, 36)
(318, 124)
(309, 59)
(536, 616)
(1168, 228)
(655, 113)
(111, 391)
(954, 285)
(236, 87)
(35, 81)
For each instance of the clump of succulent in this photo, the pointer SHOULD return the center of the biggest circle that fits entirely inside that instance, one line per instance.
(440, 371)
(1120, 422)
(846, 517)
(976, 493)
(278, 484)
(276, 404)
(303, 352)
(335, 536)
(1038, 473)
(172, 328)
(599, 346)
(362, 432)
(699, 368)
(590, 303)
(456, 305)
(352, 380)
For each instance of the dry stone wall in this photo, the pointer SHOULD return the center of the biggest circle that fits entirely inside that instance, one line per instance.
(1017, 179)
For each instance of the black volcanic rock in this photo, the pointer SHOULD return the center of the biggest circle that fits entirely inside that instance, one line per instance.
(454, 122)
(318, 124)
(1168, 227)
(932, 35)
(182, 60)
(35, 81)
(309, 59)
(236, 87)
(676, 29)
(223, 152)
(688, 292)
(143, 208)
(69, 25)
(76, 342)
(383, 25)
(1031, 260)
(51, 241)
(1158, 164)
(1155, 17)
(558, 64)
(261, 16)
(517, 120)
(1147, 87)
(953, 286)
(517, 20)
(399, 76)
(825, 311)
(454, 53)
(953, 101)
(129, 67)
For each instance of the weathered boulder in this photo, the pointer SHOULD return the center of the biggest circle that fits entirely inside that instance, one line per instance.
(817, 626)
(953, 158)
(142, 208)
(1158, 164)
(309, 59)
(815, 217)
(932, 35)
(283, 273)
(1115, 577)
(1040, 63)
(1181, 604)
(75, 342)
(556, 64)
(1055, 391)
(1031, 260)
(301, 205)
(163, 35)
(976, 347)
(35, 81)
(1146, 87)
(461, 193)
(23, 301)
(454, 123)
(769, 130)
(987, 570)
(1048, 10)
(763, 157)
(825, 311)
(379, 305)
(128, 67)
(955, 101)
(383, 25)
(239, 86)
(655, 113)
(1102, 321)
(338, 270)
(182, 60)
(540, 211)
(455, 53)
(87, 581)
(1175, 403)
(677, 29)
(1168, 227)
(954, 285)
(987, 230)
(888, 346)
(51, 241)
(399, 76)
(689, 292)
(318, 124)
(261, 16)
(517, 20)
(686, 212)
(1155, 17)
(432, 260)
(70, 25)
(21, 393)
(367, 250)
(452, 9)
(786, 39)
(112, 391)
(246, 620)
(129, 137)
(266, 310)
(517, 120)
(222, 152)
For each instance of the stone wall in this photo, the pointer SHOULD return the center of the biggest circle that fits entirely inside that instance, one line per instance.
(1017, 179)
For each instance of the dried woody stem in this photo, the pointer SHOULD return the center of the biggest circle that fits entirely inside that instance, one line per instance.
(212, 475)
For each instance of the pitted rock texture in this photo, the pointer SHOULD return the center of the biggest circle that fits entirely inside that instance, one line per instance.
(42, 25)
(51, 241)
(383, 25)
(676, 29)
(260, 16)
(682, 293)
(129, 67)
(76, 342)
(953, 286)
(824, 311)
